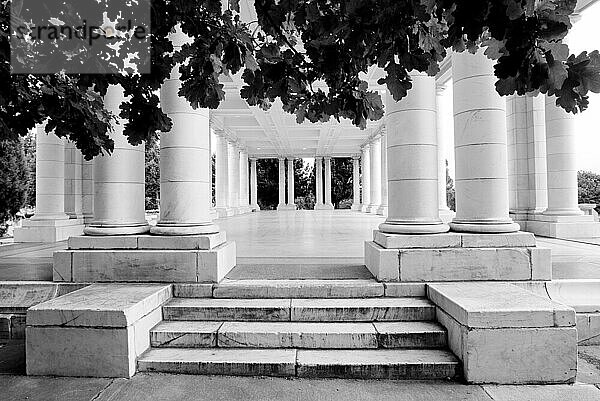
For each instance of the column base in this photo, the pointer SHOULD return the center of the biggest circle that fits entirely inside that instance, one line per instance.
(324, 206)
(48, 230)
(581, 226)
(224, 212)
(491, 228)
(414, 228)
(287, 207)
(446, 215)
(457, 257)
(174, 229)
(364, 208)
(372, 208)
(356, 206)
(146, 258)
(213, 214)
(254, 208)
(382, 210)
(244, 209)
(116, 230)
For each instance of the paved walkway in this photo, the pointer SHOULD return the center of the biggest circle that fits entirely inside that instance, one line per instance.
(150, 387)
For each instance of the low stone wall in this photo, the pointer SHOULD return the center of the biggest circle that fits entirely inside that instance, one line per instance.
(507, 335)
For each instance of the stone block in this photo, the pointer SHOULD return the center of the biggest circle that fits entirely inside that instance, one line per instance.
(192, 290)
(62, 266)
(405, 289)
(361, 310)
(17, 297)
(506, 240)
(181, 242)
(497, 305)
(187, 334)
(103, 242)
(381, 262)
(465, 264)
(214, 265)
(541, 263)
(100, 305)
(134, 265)
(408, 241)
(582, 295)
(297, 335)
(298, 289)
(378, 364)
(250, 362)
(214, 309)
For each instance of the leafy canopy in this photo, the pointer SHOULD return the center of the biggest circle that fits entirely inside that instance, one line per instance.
(311, 55)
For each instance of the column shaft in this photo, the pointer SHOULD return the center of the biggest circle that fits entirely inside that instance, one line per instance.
(222, 174)
(233, 160)
(253, 185)
(375, 175)
(480, 146)
(383, 208)
(73, 181)
(319, 181)
(244, 202)
(281, 183)
(412, 157)
(328, 182)
(366, 177)
(119, 181)
(356, 183)
(290, 174)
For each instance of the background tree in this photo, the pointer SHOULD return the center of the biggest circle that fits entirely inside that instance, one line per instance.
(14, 180)
(29, 149)
(304, 188)
(152, 171)
(450, 192)
(589, 188)
(267, 173)
(341, 182)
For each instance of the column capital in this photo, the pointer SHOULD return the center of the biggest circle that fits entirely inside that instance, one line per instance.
(440, 88)
(355, 157)
(326, 157)
(366, 146)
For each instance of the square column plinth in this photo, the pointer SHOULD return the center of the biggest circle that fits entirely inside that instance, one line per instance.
(583, 226)
(146, 258)
(48, 230)
(457, 257)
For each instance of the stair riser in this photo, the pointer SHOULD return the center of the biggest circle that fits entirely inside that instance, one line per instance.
(424, 371)
(249, 292)
(301, 314)
(299, 340)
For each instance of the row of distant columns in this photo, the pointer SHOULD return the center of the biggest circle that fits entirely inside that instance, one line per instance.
(323, 183)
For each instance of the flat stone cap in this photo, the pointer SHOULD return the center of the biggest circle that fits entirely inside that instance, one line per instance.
(18, 296)
(498, 305)
(100, 305)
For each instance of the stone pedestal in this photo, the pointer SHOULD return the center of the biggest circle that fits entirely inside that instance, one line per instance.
(457, 257)
(146, 258)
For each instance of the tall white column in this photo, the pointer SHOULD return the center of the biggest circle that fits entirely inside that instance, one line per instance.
(281, 204)
(356, 183)
(185, 193)
(328, 203)
(444, 211)
(561, 158)
(49, 176)
(119, 196)
(412, 157)
(366, 177)
(480, 146)
(383, 208)
(375, 175)
(290, 180)
(319, 183)
(87, 190)
(222, 177)
(244, 201)
(233, 169)
(73, 181)
(253, 185)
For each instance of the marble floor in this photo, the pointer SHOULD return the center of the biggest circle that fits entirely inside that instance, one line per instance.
(330, 241)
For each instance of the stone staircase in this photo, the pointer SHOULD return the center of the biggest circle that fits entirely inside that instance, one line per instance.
(303, 328)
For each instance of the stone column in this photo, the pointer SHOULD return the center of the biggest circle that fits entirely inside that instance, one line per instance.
(87, 189)
(233, 169)
(375, 175)
(412, 157)
(366, 177)
(328, 204)
(319, 183)
(222, 177)
(356, 183)
(281, 204)
(291, 201)
(119, 181)
(253, 185)
(383, 208)
(244, 202)
(536, 154)
(480, 145)
(73, 181)
(185, 191)
(444, 211)
(561, 158)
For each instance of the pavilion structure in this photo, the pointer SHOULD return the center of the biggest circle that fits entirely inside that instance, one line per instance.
(515, 170)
